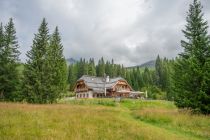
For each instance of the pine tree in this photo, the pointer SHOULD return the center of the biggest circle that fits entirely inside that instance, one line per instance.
(118, 69)
(56, 68)
(108, 68)
(1, 61)
(112, 74)
(80, 68)
(191, 79)
(101, 67)
(91, 67)
(9, 58)
(139, 79)
(1, 39)
(128, 78)
(123, 71)
(159, 72)
(85, 67)
(35, 84)
(147, 77)
(72, 76)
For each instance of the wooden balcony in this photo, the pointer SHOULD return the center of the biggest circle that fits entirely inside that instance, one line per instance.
(81, 90)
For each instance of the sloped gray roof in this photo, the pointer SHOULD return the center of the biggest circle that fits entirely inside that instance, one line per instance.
(98, 83)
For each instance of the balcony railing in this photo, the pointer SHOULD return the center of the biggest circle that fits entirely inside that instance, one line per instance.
(81, 89)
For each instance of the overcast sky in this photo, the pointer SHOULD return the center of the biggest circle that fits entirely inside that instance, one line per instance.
(130, 31)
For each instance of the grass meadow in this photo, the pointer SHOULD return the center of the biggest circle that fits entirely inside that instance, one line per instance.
(101, 119)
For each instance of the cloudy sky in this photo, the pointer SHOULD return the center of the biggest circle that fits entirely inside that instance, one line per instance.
(130, 31)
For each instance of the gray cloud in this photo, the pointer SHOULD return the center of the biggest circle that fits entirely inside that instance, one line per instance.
(130, 31)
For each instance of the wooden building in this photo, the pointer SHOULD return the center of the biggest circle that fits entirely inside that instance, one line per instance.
(98, 87)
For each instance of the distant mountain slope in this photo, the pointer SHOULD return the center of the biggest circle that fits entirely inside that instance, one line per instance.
(71, 61)
(149, 64)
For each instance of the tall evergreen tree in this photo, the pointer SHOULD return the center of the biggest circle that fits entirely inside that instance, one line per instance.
(159, 72)
(56, 68)
(147, 77)
(1, 39)
(191, 80)
(72, 76)
(9, 57)
(85, 67)
(119, 70)
(80, 68)
(101, 67)
(122, 72)
(108, 68)
(113, 72)
(128, 77)
(139, 79)
(1, 61)
(91, 67)
(35, 84)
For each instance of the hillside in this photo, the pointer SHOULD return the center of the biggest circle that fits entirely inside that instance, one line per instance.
(149, 64)
(105, 119)
(71, 61)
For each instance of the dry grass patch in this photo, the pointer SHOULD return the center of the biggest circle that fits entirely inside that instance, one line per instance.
(76, 122)
(178, 121)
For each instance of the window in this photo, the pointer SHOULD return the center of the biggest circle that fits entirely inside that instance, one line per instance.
(87, 95)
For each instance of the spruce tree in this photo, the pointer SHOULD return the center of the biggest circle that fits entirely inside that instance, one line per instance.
(147, 77)
(122, 72)
(80, 68)
(1, 62)
(56, 68)
(35, 84)
(9, 58)
(140, 79)
(118, 69)
(1, 39)
(108, 68)
(101, 67)
(85, 67)
(91, 67)
(128, 77)
(112, 73)
(160, 72)
(191, 79)
(72, 76)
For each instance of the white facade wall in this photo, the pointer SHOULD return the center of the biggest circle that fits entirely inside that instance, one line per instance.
(88, 94)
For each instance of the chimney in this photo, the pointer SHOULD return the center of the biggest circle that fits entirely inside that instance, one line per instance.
(107, 79)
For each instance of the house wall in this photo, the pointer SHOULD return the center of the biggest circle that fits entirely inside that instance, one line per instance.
(88, 94)
(120, 89)
(98, 95)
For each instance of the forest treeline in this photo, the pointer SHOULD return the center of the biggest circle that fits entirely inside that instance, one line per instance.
(156, 81)
(45, 75)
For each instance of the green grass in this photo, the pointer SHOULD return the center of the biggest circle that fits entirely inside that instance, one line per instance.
(101, 119)
(104, 102)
